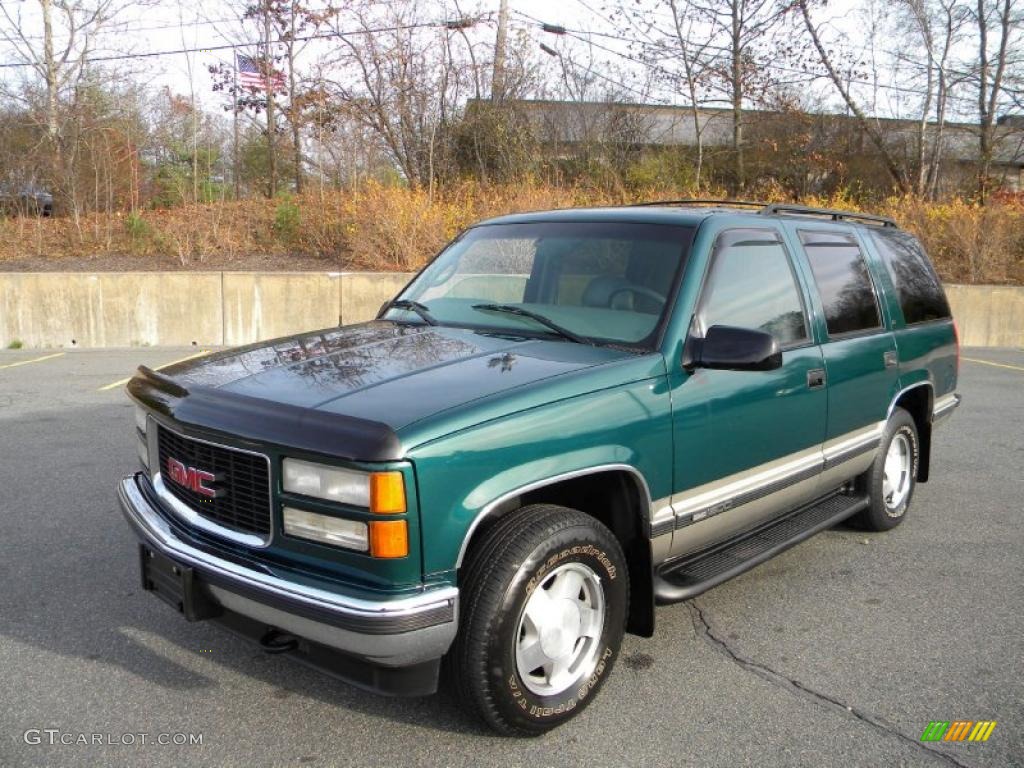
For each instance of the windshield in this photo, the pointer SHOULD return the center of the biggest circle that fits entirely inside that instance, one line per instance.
(599, 282)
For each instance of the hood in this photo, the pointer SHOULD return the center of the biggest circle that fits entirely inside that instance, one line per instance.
(393, 375)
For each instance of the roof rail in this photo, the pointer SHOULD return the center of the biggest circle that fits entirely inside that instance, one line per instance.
(774, 209)
(727, 203)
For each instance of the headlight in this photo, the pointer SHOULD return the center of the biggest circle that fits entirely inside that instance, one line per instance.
(351, 534)
(380, 492)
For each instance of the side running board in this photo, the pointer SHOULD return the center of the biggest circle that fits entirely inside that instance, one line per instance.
(686, 578)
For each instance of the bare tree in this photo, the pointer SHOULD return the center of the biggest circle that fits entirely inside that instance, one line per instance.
(58, 67)
(933, 28)
(1001, 19)
(869, 126)
(745, 25)
(697, 59)
(397, 77)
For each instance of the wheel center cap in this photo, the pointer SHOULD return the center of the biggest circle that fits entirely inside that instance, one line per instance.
(560, 634)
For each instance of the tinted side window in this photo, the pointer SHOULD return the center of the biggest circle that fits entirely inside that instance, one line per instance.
(751, 285)
(917, 285)
(843, 281)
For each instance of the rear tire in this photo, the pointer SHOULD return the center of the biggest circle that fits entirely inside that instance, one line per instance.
(545, 606)
(893, 477)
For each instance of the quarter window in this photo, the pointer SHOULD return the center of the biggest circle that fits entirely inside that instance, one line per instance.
(918, 287)
(751, 285)
(843, 281)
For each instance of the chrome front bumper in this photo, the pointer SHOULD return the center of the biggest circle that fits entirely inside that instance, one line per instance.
(390, 633)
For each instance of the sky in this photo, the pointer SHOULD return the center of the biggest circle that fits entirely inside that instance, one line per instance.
(168, 25)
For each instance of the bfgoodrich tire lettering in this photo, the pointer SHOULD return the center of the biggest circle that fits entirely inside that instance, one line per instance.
(539, 547)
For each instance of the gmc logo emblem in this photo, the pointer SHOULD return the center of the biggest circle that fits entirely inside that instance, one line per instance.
(194, 479)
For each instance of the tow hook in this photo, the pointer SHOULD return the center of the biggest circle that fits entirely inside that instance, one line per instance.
(276, 641)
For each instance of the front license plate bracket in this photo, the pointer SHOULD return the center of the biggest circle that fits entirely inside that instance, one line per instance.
(177, 585)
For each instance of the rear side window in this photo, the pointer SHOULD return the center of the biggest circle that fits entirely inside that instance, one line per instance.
(917, 285)
(751, 285)
(844, 283)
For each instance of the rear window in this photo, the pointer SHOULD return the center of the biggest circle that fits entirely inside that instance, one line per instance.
(920, 292)
(843, 281)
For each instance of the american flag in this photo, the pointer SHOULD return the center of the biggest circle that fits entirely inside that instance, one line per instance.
(250, 74)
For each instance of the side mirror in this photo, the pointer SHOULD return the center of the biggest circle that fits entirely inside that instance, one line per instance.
(733, 349)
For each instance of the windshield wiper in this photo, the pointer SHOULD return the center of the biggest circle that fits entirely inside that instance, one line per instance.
(414, 306)
(511, 309)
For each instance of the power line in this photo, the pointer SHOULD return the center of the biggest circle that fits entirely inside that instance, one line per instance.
(121, 27)
(588, 71)
(229, 46)
(579, 35)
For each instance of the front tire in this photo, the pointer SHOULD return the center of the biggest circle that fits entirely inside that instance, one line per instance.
(547, 592)
(893, 477)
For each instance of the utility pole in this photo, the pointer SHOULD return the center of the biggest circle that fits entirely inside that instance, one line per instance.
(500, 42)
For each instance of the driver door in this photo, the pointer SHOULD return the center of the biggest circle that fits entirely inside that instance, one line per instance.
(748, 444)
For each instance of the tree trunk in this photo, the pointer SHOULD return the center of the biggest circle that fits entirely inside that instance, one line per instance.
(871, 131)
(737, 97)
(292, 111)
(988, 93)
(268, 78)
(52, 104)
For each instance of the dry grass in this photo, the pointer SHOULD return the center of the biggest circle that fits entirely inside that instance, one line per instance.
(389, 228)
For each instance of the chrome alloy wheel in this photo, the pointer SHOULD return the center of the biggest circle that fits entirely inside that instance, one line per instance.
(896, 474)
(559, 629)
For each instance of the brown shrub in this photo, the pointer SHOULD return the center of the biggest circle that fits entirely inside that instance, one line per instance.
(396, 229)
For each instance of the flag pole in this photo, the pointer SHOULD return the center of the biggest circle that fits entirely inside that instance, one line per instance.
(234, 98)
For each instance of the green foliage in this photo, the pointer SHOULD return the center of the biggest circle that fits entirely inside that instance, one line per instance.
(16, 344)
(287, 220)
(667, 168)
(493, 143)
(173, 181)
(136, 226)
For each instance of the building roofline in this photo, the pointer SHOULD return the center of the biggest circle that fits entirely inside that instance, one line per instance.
(725, 111)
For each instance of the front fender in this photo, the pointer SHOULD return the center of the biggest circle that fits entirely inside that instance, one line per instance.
(463, 476)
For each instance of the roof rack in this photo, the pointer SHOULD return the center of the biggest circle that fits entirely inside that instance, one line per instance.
(727, 203)
(774, 209)
(782, 209)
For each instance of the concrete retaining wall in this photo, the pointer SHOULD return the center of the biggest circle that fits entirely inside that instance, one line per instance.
(63, 309)
(988, 315)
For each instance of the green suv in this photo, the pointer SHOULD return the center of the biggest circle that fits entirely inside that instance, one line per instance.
(565, 419)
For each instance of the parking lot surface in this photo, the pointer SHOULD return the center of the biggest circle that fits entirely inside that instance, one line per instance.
(839, 652)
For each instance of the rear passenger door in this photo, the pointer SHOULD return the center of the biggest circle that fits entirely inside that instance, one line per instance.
(861, 362)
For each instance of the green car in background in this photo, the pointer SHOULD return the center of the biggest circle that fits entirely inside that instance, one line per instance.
(565, 419)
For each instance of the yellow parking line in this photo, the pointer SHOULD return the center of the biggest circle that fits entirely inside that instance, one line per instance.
(33, 360)
(996, 365)
(122, 382)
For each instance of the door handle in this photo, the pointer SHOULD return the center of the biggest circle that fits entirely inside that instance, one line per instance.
(816, 378)
(890, 359)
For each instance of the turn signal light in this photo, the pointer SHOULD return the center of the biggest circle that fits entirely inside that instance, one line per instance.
(387, 493)
(389, 538)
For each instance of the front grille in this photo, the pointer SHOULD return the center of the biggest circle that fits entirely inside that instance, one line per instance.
(243, 478)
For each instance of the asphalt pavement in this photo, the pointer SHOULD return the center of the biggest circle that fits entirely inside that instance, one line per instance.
(837, 653)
